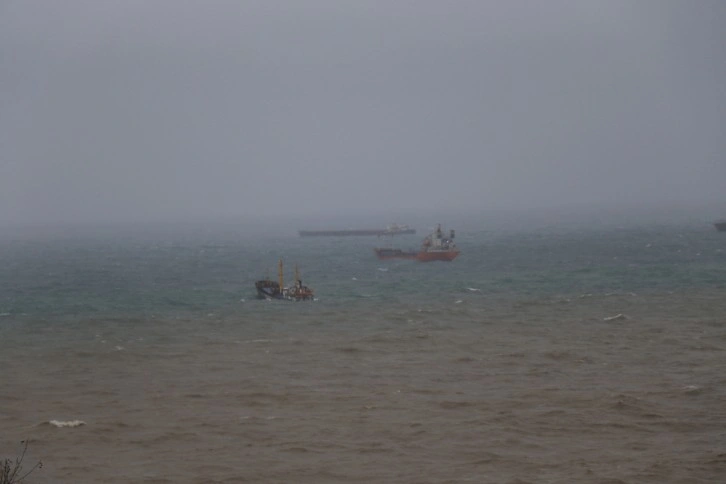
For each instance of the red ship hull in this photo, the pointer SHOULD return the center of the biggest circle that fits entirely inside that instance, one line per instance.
(422, 256)
(444, 255)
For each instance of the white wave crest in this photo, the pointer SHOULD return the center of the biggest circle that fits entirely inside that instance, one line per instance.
(67, 423)
(617, 317)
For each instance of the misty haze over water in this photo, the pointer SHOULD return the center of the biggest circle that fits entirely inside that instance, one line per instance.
(172, 111)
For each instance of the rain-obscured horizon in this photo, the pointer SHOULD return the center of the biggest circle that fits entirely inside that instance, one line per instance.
(369, 112)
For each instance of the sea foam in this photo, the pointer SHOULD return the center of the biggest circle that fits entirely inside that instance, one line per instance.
(66, 423)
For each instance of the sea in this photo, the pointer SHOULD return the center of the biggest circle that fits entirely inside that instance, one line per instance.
(550, 351)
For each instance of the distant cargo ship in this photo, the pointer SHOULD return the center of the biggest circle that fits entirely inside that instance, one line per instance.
(720, 225)
(393, 229)
(434, 247)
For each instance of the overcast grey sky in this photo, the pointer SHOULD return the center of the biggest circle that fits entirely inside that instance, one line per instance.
(139, 109)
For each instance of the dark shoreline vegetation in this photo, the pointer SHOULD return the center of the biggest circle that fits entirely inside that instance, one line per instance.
(11, 470)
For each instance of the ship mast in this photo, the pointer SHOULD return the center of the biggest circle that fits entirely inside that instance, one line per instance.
(297, 274)
(279, 274)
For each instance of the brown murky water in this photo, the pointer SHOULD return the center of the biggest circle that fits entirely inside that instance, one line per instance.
(492, 391)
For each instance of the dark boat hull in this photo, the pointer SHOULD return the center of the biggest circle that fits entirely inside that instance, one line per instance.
(268, 290)
(271, 290)
(720, 226)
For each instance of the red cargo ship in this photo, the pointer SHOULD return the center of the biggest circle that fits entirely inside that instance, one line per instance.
(434, 247)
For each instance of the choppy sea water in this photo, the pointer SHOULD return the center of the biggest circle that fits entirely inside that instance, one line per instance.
(547, 355)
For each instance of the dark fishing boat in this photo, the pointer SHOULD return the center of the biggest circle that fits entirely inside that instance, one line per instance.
(269, 289)
(720, 225)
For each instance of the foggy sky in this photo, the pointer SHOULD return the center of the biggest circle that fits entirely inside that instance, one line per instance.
(144, 110)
